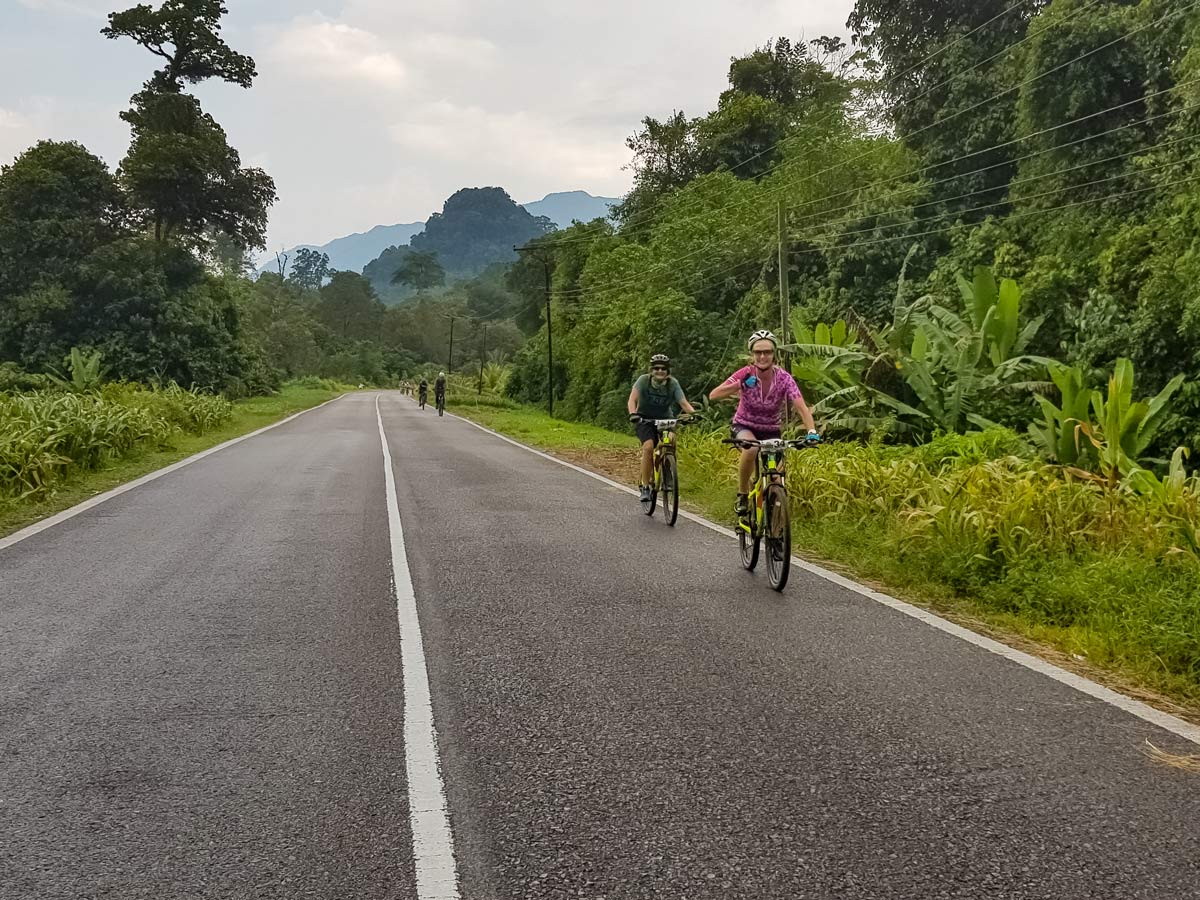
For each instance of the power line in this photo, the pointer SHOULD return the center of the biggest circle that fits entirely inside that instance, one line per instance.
(1016, 215)
(668, 263)
(1041, 132)
(788, 139)
(1010, 199)
(791, 184)
(767, 252)
(1091, 137)
(907, 72)
(1027, 82)
(1016, 87)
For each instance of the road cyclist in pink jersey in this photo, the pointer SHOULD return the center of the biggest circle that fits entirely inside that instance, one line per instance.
(763, 391)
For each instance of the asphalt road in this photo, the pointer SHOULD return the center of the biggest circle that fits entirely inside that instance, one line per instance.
(201, 696)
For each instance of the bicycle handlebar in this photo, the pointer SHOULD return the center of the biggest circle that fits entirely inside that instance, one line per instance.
(791, 444)
(664, 423)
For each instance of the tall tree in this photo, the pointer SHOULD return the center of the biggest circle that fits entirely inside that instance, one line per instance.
(181, 171)
(664, 159)
(945, 61)
(58, 203)
(187, 34)
(420, 271)
(349, 308)
(310, 268)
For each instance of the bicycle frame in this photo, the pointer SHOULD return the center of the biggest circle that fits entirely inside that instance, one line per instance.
(666, 444)
(769, 468)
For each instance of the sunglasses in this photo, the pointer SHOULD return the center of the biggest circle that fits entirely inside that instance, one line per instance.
(659, 369)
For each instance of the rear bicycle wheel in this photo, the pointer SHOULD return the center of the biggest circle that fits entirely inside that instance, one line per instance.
(670, 489)
(441, 403)
(778, 526)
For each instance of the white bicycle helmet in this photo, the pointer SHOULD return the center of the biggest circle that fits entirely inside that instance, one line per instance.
(660, 359)
(762, 335)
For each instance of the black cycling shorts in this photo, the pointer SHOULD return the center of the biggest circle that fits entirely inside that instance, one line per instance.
(759, 434)
(647, 431)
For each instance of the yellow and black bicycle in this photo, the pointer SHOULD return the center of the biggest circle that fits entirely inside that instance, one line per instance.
(665, 486)
(769, 517)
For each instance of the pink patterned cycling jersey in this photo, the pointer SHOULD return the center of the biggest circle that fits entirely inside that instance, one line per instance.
(760, 408)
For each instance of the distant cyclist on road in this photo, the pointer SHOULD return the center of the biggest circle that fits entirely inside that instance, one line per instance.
(423, 392)
(656, 395)
(439, 392)
(763, 390)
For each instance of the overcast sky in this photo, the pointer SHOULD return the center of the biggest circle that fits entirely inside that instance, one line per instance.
(371, 112)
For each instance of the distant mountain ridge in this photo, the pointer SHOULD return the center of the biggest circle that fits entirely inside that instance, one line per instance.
(568, 206)
(477, 228)
(353, 252)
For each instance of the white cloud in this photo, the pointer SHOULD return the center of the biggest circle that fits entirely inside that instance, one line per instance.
(335, 50)
(90, 8)
(509, 148)
(10, 120)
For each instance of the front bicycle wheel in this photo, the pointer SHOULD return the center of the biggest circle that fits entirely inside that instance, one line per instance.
(670, 490)
(778, 526)
(441, 406)
(651, 495)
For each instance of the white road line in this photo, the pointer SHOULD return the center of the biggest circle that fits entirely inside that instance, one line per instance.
(433, 843)
(17, 536)
(1147, 713)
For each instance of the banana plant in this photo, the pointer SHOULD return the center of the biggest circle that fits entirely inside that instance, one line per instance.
(1124, 428)
(1060, 433)
(995, 313)
(957, 362)
(86, 370)
(931, 367)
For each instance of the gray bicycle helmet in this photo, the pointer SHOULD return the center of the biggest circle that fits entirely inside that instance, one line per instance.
(762, 335)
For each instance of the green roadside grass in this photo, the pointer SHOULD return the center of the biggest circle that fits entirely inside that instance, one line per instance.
(249, 415)
(868, 548)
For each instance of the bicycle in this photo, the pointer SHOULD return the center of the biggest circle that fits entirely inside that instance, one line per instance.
(441, 404)
(666, 471)
(770, 514)
(422, 398)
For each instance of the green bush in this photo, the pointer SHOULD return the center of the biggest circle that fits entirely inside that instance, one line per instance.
(14, 378)
(47, 436)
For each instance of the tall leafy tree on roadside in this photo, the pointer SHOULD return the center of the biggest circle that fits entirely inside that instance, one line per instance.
(181, 173)
(187, 35)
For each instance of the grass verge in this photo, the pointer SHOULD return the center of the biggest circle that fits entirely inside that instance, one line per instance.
(249, 415)
(1119, 601)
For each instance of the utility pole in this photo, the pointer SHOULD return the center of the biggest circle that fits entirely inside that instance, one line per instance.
(482, 353)
(450, 363)
(549, 327)
(785, 304)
